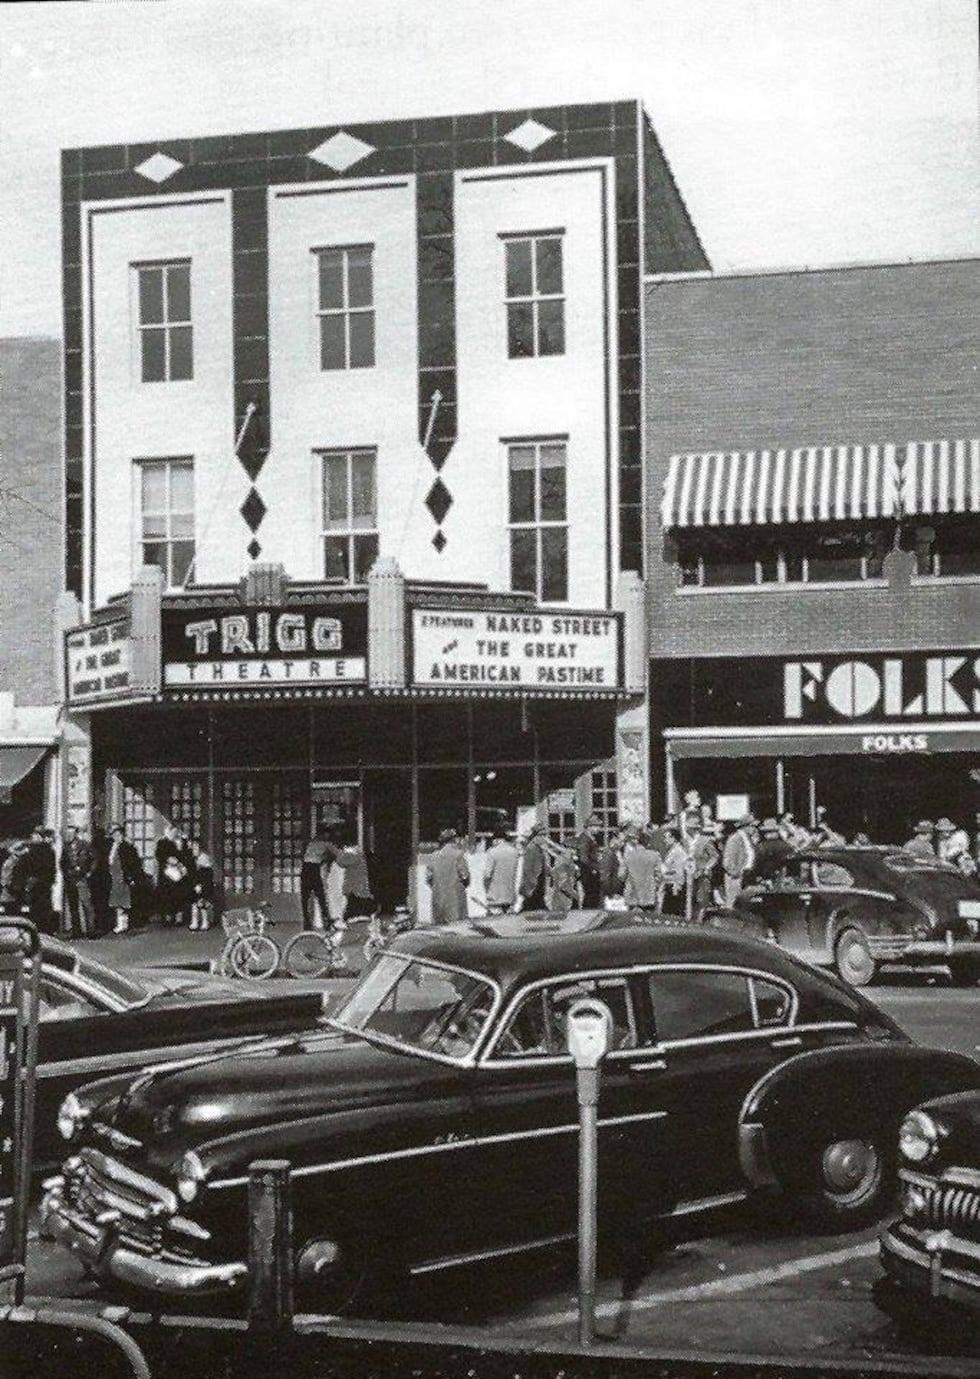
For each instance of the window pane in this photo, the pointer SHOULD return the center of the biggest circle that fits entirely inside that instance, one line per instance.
(154, 524)
(554, 562)
(733, 569)
(690, 572)
(181, 525)
(549, 265)
(520, 331)
(826, 567)
(179, 292)
(769, 567)
(333, 348)
(335, 509)
(365, 554)
(689, 1005)
(151, 295)
(182, 488)
(362, 340)
(181, 363)
(154, 358)
(362, 484)
(772, 1003)
(518, 253)
(180, 563)
(331, 264)
(553, 483)
(794, 567)
(522, 484)
(154, 488)
(155, 553)
(551, 327)
(335, 558)
(523, 561)
(961, 562)
(360, 287)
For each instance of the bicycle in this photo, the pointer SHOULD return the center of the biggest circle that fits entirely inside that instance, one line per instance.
(248, 950)
(315, 953)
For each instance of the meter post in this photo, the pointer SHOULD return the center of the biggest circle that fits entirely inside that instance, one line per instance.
(589, 1038)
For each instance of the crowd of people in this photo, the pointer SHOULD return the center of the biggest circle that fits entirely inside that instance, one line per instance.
(85, 885)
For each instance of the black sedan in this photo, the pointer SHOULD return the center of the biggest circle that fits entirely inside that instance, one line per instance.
(857, 908)
(931, 1254)
(433, 1120)
(95, 1020)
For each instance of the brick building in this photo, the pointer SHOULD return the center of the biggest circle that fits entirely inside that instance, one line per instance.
(814, 540)
(31, 577)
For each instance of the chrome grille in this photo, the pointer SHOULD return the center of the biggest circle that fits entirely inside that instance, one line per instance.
(144, 1207)
(947, 1206)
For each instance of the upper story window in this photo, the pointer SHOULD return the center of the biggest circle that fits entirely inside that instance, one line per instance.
(535, 294)
(538, 519)
(165, 332)
(747, 556)
(948, 546)
(345, 306)
(167, 517)
(350, 515)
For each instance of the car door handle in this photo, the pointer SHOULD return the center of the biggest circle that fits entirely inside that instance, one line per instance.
(649, 1065)
(789, 1041)
(804, 895)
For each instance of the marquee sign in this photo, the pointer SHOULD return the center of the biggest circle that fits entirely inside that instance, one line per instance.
(98, 664)
(220, 649)
(526, 650)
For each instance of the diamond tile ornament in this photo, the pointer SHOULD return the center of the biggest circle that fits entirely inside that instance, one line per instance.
(439, 500)
(254, 549)
(253, 510)
(439, 541)
(530, 135)
(341, 151)
(158, 167)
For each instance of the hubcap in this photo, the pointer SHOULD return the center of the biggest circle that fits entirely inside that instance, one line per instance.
(856, 961)
(850, 1167)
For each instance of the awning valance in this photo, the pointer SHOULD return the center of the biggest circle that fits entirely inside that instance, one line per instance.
(941, 476)
(817, 483)
(15, 764)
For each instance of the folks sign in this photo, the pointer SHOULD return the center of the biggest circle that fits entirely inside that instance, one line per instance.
(886, 688)
(545, 652)
(222, 649)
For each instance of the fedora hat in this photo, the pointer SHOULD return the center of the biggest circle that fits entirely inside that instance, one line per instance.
(945, 826)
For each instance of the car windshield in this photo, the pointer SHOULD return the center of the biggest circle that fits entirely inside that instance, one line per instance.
(432, 1010)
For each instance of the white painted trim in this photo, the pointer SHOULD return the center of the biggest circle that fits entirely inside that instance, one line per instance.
(787, 270)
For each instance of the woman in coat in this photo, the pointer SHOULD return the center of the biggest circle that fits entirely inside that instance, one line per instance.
(125, 876)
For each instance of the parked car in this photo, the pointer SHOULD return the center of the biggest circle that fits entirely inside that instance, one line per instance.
(433, 1118)
(931, 1253)
(854, 909)
(95, 1020)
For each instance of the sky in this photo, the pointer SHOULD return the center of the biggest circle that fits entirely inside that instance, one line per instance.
(800, 132)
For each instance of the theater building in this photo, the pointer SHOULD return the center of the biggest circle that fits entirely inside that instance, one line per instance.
(354, 479)
(813, 441)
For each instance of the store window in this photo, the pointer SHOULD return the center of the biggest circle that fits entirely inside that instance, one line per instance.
(718, 559)
(166, 496)
(604, 799)
(163, 295)
(537, 472)
(534, 294)
(345, 306)
(350, 516)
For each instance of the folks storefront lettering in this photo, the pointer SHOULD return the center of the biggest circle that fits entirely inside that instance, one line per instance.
(903, 687)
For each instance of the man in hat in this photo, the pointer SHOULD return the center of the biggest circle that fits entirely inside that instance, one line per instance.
(920, 844)
(448, 874)
(534, 871)
(702, 859)
(771, 852)
(738, 856)
(952, 841)
(587, 849)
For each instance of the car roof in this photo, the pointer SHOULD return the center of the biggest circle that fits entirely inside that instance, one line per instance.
(552, 945)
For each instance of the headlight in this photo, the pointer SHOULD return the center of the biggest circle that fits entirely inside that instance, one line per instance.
(190, 1176)
(919, 1136)
(72, 1115)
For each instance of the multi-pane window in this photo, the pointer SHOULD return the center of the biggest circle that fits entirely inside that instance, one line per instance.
(534, 294)
(345, 306)
(167, 517)
(604, 799)
(538, 519)
(163, 292)
(949, 547)
(718, 559)
(350, 519)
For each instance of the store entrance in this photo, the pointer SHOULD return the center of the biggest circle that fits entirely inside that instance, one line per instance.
(261, 829)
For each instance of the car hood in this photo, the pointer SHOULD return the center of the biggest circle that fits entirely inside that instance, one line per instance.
(169, 985)
(959, 1116)
(300, 1082)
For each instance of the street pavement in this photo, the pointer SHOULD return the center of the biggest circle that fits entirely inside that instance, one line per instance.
(739, 1280)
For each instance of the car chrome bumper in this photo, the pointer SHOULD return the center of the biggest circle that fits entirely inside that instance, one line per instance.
(932, 1262)
(892, 948)
(96, 1247)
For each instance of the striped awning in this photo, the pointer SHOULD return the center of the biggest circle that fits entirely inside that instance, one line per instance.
(941, 476)
(816, 483)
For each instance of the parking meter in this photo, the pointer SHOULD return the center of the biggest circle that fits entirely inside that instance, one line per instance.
(589, 1036)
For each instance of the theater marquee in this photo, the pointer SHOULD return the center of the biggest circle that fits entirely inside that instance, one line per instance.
(519, 651)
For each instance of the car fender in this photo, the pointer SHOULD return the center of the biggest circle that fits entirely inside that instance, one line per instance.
(851, 1088)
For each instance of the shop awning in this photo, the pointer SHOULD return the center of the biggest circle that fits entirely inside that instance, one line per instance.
(817, 483)
(941, 476)
(870, 739)
(15, 764)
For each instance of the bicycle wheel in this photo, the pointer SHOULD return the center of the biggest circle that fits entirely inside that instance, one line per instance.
(308, 954)
(255, 956)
